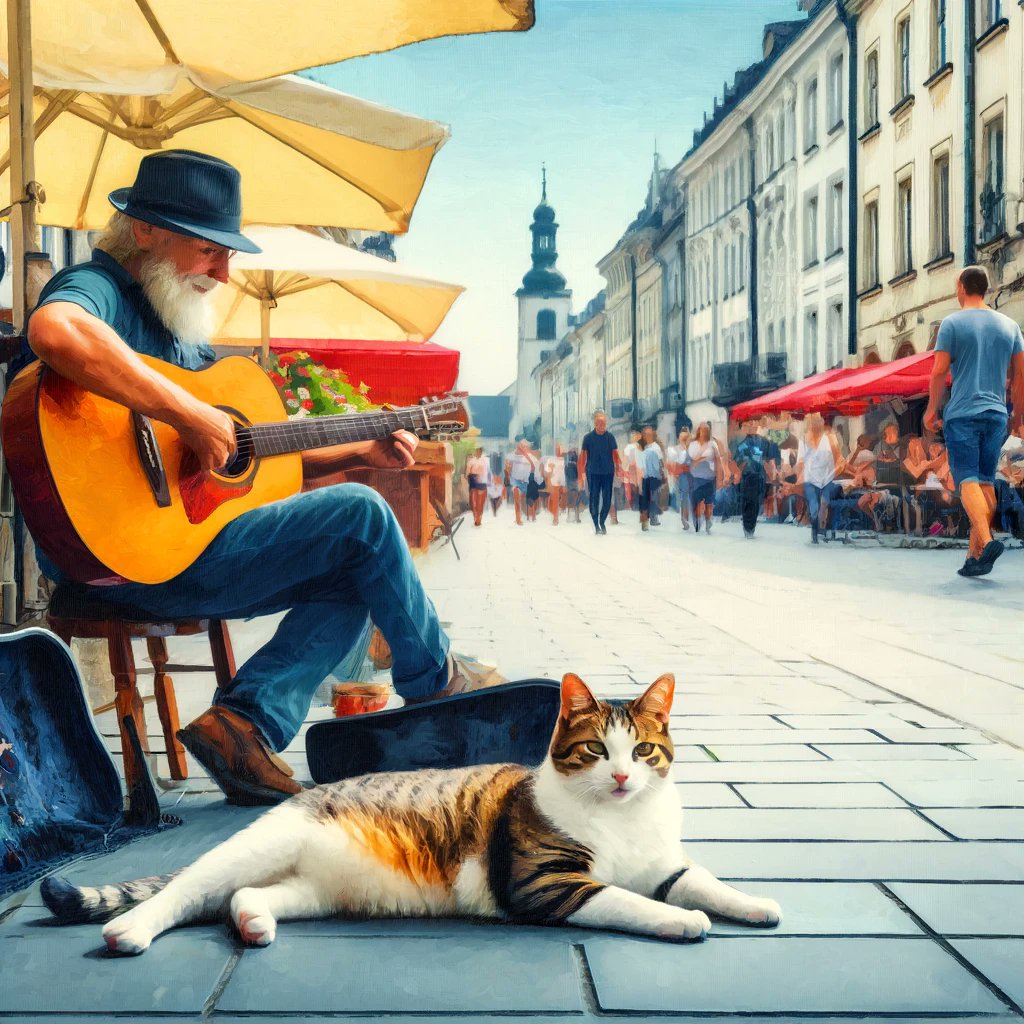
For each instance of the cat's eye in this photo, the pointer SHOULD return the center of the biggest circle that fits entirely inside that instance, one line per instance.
(596, 748)
(643, 749)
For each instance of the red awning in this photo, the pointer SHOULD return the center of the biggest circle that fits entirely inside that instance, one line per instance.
(398, 373)
(859, 389)
(784, 399)
(846, 392)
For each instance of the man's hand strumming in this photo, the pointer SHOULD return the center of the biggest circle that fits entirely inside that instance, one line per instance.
(210, 433)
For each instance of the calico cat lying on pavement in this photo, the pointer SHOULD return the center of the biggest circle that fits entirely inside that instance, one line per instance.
(590, 838)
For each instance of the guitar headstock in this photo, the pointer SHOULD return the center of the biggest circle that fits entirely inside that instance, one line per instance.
(448, 415)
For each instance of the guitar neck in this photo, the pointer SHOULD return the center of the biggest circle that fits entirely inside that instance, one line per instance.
(322, 431)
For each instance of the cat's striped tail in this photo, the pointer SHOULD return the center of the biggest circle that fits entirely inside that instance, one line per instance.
(73, 904)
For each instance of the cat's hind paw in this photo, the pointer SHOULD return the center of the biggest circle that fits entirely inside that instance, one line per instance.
(765, 913)
(127, 935)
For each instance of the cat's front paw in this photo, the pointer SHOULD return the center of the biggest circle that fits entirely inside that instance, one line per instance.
(764, 912)
(256, 929)
(127, 935)
(687, 925)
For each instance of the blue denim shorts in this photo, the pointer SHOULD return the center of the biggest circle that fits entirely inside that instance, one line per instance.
(521, 485)
(974, 443)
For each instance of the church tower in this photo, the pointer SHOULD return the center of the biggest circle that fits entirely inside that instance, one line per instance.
(545, 305)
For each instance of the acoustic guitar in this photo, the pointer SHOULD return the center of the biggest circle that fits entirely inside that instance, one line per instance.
(111, 496)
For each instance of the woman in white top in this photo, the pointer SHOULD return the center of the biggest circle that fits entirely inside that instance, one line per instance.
(554, 471)
(704, 460)
(679, 469)
(478, 472)
(819, 455)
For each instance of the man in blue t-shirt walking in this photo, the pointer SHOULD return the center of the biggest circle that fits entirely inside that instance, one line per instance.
(980, 347)
(599, 455)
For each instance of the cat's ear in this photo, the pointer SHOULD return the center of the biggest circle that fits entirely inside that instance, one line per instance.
(576, 696)
(656, 701)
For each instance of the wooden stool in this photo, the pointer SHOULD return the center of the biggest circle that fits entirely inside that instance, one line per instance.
(75, 613)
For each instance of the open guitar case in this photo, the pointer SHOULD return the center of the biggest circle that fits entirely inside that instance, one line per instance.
(60, 793)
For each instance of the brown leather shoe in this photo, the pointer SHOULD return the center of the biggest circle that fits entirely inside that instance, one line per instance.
(232, 750)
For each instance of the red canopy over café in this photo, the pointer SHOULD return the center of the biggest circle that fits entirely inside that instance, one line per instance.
(846, 392)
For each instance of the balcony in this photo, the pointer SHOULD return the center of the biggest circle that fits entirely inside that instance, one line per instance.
(732, 383)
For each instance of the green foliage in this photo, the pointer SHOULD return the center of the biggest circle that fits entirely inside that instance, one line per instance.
(310, 389)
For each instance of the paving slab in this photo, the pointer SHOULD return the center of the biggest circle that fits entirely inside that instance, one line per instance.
(839, 794)
(819, 823)
(709, 794)
(961, 794)
(737, 975)
(827, 908)
(979, 823)
(890, 752)
(426, 977)
(999, 960)
(764, 752)
(976, 909)
(907, 861)
(177, 975)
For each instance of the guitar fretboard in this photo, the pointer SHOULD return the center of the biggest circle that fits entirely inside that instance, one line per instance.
(323, 431)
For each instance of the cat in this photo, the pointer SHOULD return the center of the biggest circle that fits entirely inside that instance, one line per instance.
(590, 838)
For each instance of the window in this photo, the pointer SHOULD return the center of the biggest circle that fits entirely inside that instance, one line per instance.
(871, 90)
(870, 271)
(769, 151)
(811, 115)
(811, 343)
(991, 12)
(993, 196)
(940, 206)
(835, 217)
(834, 356)
(811, 230)
(546, 325)
(904, 228)
(835, 91)
(903, 59)
(740, 262)
(938, 34)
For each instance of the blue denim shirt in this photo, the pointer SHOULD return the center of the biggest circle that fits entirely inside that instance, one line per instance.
(105, 289)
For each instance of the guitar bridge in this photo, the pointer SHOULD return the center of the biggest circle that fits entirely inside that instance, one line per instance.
(151, 459)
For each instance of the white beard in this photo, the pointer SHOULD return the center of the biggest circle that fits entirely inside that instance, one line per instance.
(186, 313)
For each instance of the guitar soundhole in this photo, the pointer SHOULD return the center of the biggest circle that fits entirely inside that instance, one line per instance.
(239, 463)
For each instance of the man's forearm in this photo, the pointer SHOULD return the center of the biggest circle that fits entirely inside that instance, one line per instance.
(936, 386)
(90, 353)
(336, 458)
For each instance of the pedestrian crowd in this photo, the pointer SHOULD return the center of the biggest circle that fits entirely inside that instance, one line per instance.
(953, 477)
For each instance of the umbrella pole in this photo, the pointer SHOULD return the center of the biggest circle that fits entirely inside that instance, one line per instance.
(265, 332)
(24, 231)
(23, 239)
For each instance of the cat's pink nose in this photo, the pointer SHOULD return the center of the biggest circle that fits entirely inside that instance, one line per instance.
(620, 779)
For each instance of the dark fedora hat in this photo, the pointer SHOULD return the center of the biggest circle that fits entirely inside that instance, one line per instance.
(190, 193)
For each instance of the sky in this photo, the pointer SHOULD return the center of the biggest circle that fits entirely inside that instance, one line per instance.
(588, 91)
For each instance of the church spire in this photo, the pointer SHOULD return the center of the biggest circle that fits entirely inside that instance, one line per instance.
(543, 278)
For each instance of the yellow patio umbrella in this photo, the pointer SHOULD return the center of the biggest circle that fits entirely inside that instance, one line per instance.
(150, 47)
(307, 153)
(304, 286)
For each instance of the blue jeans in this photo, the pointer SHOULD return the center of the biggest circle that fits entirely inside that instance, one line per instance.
(683, 494)
(973, 444)
(600, 487)
(818, 499)
(333, 558)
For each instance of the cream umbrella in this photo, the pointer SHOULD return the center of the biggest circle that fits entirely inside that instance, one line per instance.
(307, 153)
(304, 286)
(150, 48)
(145, 47)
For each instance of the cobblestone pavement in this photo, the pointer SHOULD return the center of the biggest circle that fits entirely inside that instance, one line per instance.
(849, 725)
